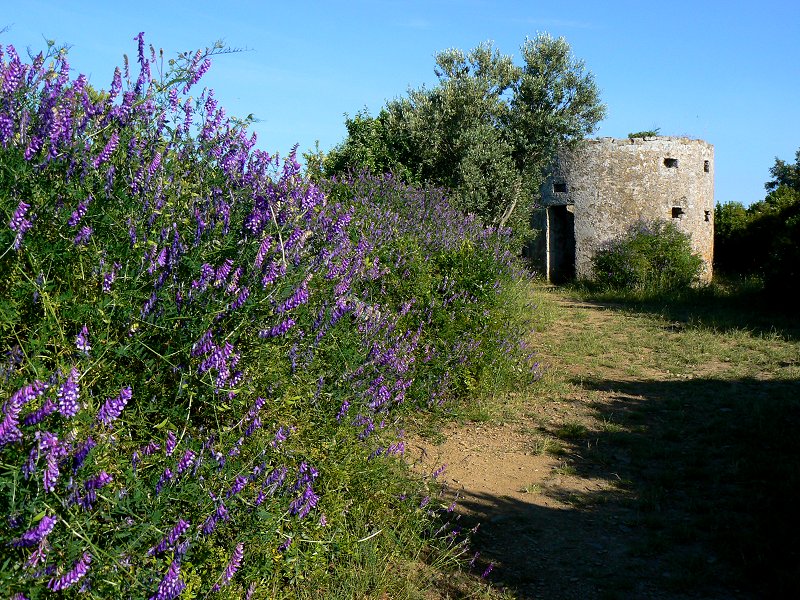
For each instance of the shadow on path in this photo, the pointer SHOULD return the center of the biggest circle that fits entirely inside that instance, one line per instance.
(704, 502)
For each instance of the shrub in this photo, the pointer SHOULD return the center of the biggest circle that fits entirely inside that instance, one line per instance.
(651, 257)
(206, 356)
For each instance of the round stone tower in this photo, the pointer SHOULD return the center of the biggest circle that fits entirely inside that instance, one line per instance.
(597, 191)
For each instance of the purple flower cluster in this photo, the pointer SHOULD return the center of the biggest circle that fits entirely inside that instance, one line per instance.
(171, 539)
(37, 533)
(68, 394)
(171, 585)
(107, 151)
(305, 498)
(233, 566)
(20, 223)
(78, 572)
(112, 408)
(9, 426)
(210, 524)
(82, 341)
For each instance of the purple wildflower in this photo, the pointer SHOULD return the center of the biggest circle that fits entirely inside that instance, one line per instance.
(82, 237)
(110, 146)
(148, 306)
(211, 522)
(68, 395)
(163, 480)
(51, 472)
(488, 570)
(155, 164)
(280, 436)
(40, 413)
(302, 504)
(221, 274)
(274, 271)
(82, 341)
(100, 480)
(171, 538)
(241, 299)
(79, 212)
(113, 406)
(233, 566)
(285, 545)
(187, 461)
(299, 297)
(35, 534)
(77, 573)
(18, 219)
(82, 453)
(263, 248)
(169, 445)
(277, 330)
(238, 485)
(254, 425)
(171, 585)
(203, 346)
(109, 277)
(151, 448)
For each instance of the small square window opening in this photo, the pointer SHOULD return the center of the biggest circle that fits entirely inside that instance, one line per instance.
(671, 163)
(677, 212)
(560, 188)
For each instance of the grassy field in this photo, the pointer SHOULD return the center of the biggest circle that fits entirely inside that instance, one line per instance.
(667, 430)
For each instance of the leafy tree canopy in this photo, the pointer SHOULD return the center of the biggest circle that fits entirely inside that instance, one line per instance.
(785, 174)
(765, 237)
(486, 130)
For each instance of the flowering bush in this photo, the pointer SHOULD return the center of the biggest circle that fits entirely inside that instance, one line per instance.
(206, 356)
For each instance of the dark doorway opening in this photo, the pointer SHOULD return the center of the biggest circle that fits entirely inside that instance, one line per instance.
(560, 244)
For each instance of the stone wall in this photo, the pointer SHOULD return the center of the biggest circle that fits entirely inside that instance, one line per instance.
(611, 184)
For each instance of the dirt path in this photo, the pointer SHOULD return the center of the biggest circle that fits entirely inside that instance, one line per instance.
(614, 479)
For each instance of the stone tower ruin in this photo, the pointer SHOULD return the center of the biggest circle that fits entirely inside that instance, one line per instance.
(598, 190)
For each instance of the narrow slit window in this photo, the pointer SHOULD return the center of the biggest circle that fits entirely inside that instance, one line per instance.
(677, 212)
(671, 163)
(560, 188)
(706, 166)
(708, 216)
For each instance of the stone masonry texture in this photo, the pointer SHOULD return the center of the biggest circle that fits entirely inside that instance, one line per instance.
(611, 184)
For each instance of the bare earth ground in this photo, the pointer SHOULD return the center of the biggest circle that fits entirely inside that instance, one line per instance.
(615, 479)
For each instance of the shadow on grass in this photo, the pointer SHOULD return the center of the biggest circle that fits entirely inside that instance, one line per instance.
(705, 501)
(722, 307)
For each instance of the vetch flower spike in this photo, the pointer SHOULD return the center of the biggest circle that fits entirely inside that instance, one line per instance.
(77, 573)
(233, 566)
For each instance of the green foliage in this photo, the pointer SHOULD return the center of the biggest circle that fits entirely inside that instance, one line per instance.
(258, 323)
(644, 134)
(485, 131)
(763, 240)
(653, 257)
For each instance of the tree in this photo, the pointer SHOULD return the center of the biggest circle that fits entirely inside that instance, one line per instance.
(764, 239)
(486, 130)
(785, 174)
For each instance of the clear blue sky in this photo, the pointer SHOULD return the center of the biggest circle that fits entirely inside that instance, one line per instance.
(724, 71)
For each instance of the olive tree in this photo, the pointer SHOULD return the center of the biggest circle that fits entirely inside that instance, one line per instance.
(486, 130)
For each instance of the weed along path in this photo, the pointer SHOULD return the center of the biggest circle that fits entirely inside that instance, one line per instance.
(655, 459)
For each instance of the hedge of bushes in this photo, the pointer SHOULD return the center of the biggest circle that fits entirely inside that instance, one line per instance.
(206, 357)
